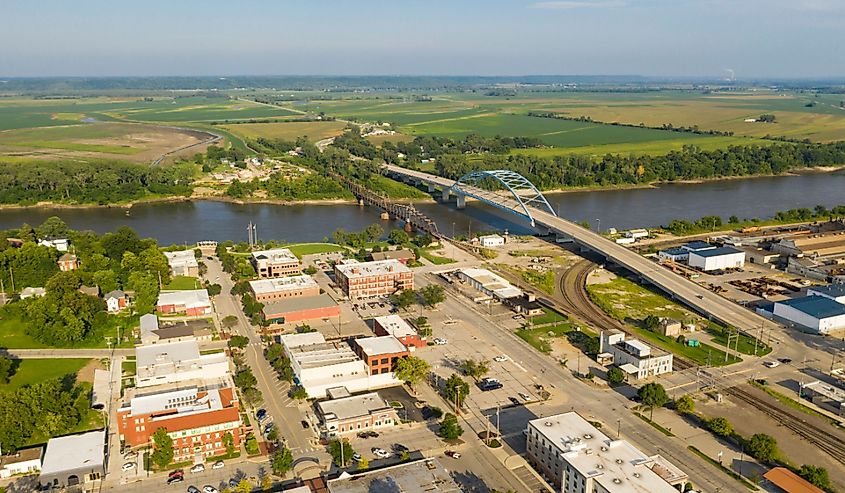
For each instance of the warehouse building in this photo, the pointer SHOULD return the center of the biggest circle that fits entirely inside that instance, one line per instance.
(678, 254)
(817, 313)
(718, 258)
(836, 292)
(75, 462)
(424, 475)
(577, 458)
(489, 283)
(825, 395)
(265, 290)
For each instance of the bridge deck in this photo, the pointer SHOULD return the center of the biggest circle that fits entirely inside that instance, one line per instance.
(693, 295)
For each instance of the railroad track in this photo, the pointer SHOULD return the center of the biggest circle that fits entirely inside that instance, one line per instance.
(819, 437)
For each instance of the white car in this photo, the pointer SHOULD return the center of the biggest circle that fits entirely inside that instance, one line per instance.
(129, 466)
(209, 489)
(524, 396)
(771, 364)
(356, 457)
(501, 358)
(440, 341)
(380, 453)
(218, 465)
(198, 468)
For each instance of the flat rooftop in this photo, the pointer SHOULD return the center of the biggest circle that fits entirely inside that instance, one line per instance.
(716, 252)
(181, 258)
(698, 245)
(374, 346)
(615, 464)
(310, 350)
(191, 298)
(426, 475)
(833, 393)
(492, 282)
(831, 290)
(276, 255)
(67, 453)
(395, 325)
(282, 284)
(816, 306)
(354, 406)
(299, 303)
(374, 268)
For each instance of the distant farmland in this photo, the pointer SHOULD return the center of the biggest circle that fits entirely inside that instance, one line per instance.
(287, 130)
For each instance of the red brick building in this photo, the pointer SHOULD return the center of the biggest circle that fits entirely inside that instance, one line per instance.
(373, 279)
(380, 353)
(300, 309)
(268, 290)
(68, 262)
(193, 303)
(394, 325)
(196, 418)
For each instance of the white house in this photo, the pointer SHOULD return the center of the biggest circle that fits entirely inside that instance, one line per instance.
(491, 241)
(115, 301)
(24, 461)
(32, 293)
(818, 313)
(60, 244)
(717, 259)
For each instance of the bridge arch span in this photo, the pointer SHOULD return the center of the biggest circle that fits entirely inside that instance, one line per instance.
(521, 189)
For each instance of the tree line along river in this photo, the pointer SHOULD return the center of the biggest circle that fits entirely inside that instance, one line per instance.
(190, 221)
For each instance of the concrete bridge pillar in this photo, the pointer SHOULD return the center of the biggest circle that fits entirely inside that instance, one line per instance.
(445, 196)
(431, 188)
(462, 201)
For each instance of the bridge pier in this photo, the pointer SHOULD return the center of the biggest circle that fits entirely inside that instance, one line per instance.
(445, 196)
(431, 188)
(462, 201)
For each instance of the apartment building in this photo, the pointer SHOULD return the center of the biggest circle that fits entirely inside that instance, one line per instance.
(275, 289)
(373, 279)
(633, 356)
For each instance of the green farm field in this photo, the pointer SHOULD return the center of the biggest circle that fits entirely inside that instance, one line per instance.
(287, 130)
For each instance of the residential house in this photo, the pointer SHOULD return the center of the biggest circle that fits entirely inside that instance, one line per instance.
(68, 262)
(23, 461)
(116, 301)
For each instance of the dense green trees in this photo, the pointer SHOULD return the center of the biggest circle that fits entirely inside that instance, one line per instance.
(64, 315)
(163, 453)
(433, 294)
(450, 429)
(816, 475)
(653, 395)
(762, 447)
(281, 461)
(100, 182)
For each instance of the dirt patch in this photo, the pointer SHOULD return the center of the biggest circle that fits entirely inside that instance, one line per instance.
(600, 276)
(86, 373)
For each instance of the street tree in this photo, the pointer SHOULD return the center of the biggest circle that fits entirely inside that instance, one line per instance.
(816, 475)
(433, 294)
(450, 429)
(162, 448)
(653, 395)
(615, 375)
(685, 404)
(404, 299)
(282, 461)
(238, 341)
(456, 389)
(720, 426)
(474, 369)
(412, 370)
(299, 393)
(341, 452)
(762, 447)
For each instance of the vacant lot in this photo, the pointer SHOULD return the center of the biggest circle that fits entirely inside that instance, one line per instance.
(30, 371)
(131, 142)
(287, 130)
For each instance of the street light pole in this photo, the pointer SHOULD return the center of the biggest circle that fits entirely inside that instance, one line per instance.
(598, 226)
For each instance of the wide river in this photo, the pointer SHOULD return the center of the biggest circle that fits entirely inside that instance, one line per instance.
(187, 222)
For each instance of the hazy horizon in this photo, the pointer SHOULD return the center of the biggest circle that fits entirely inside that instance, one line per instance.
(792, 39)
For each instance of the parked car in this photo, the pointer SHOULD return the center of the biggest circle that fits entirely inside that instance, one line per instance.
(305, 424)
(363, 434)
(131, 455)
(209, 489)
(198, 468)
(233, 482)
(514, 400)
(525, 396)
(177, 472)
(485, 386)
(356, 457)
(129, 466)
(372, 434)
(380, 453)
(785, 361)
(193, 489)
(500, 358)
(175, 479)
(399, 448)
(440, 341)
(218, 465)
(771, 364)
(453, 454)
(261, 414)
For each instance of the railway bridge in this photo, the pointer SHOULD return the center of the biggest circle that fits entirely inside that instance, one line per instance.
(516, 195)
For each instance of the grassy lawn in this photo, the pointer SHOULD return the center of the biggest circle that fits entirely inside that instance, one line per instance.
(538, 338)
(703, 354)
(179, 283)
(745, 344)
(301, 249)
(544, 281)
(434, 259)
(30, 371)
(549, 316)
(13, 334)
(128, 368)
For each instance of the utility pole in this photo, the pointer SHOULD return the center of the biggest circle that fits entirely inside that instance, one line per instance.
(12, 278)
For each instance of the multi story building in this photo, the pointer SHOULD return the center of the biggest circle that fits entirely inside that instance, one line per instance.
(68, 262)
(394, 325)
(284, 287)
(183, 263)
(178, 361)
(319, 366)
(632, 356)
(380, 353)
(197, 417)
(279, 262)
(578, 458)
(355, 413)
(373, 279)
(427, 475)
(192, 302)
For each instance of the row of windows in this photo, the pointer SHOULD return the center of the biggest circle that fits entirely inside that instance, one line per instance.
(375, 371)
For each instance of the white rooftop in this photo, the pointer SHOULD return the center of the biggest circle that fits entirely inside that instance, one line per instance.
(168, 358)
(354, 406)
(373, 346)
(282, 284)
(276, 255)
(395, 325)
(73, 452)
(310, 350)
(374, 268)
(491, 237)
(181, 258)
(192, 298)
(492, 282)
(615, 464)
(183, 400)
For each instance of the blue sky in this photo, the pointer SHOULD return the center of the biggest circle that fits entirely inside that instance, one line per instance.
(756, 38)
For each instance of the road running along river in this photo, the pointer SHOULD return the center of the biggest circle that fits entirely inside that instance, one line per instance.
(187, 222)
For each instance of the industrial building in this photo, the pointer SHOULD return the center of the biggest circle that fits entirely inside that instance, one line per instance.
(836, 292)
(424, 475)
(817, 313)
(265, 290)
(179, 361)
(781, 479)
(347, 415)
(632, 356)
(825, 395)
(718, 258)
(394, 325)
(490, 284)
(491, 241)
(319, 365)
(677, 254)
(380, 353)
(576, 457)
(75, 462)
(183, 263)
(279, 262)
(360, 280)
(192, 302)
(293, 310)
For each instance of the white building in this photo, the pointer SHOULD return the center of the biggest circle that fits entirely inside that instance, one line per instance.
(836, 292)
(578, 458)
(183, 263)
(178, 361)
(718, 258)
(23, 461)
(424, 475)
(32, 293)
(491, 241)
(632, 356)
(636, 234)
(489, 283)
(679, 254)
(319, 365)
(75, 460)
(60, 244)
(192, 302)
(817, 313)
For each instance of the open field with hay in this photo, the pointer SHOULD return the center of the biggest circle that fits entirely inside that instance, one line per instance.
(315, 131)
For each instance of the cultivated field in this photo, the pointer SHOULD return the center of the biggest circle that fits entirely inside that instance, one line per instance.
(287, 130)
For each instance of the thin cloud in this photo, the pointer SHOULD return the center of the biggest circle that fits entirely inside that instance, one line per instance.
(578, 4)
